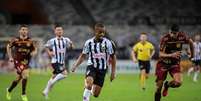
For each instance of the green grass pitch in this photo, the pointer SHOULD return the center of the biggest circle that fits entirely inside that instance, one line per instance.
(124, 88)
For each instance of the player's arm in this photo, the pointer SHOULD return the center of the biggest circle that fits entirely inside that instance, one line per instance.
(34, 51)
(134, 54)
(113, 63)
(163, 54)
(78, 62)
(81, 57)
(152, 51)
(191, 48)
(48, 48)
(9, 50)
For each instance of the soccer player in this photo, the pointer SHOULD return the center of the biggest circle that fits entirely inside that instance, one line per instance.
(20, 50)
(169, 60)
(99, 49)
(196, 59)
(56, 48)
(142, 53)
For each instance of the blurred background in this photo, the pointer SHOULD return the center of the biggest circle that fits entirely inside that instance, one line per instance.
(124, 20)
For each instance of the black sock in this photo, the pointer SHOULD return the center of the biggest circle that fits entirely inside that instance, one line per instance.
(157, 96)
(13, 85)
(24, 83)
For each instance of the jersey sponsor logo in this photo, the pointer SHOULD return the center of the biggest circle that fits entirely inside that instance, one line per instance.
(99, 55)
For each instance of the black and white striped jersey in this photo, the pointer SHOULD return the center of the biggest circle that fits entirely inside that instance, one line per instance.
(197, 51)
(58, 46)
(98, 52)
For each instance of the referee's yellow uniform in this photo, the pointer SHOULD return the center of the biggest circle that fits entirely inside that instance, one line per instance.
(143, 50)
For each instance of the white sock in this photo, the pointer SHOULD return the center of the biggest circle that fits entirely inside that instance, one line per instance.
(58, 77)
(86, 94)
(190, 70)
(195, 76)
(48, 86)
(51, 82)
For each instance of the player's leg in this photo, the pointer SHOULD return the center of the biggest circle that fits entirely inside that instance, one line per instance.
(25, 75)
(98, 83)
(88, 86)
(12, 86)
(57, 76)
(161, 75)
(142, 78)
(177, 79)
(96, 90)
(196, 73)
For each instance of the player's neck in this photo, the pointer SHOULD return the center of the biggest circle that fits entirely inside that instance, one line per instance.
(23, 37)
(143, 42)
(59, 37)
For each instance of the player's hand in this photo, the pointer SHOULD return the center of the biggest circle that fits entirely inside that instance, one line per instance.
(135, 60)
(11, 59)
(176, 55)
(112, 77)
(51, 53)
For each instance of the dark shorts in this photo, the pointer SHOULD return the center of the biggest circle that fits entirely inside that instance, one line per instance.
(98, 75)
(58, 68)
(144, 65)
(162, 70)
(21, 65)
(197, 62)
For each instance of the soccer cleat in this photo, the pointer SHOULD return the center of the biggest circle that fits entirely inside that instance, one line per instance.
(24, 98)
(8, 94)
(45, 95)
(165, 90)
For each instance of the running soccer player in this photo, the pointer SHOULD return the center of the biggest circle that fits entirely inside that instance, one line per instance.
(20, 50)
(142, 53)
(56, 48)
(99, 49)
(196, 59)
(169, 60)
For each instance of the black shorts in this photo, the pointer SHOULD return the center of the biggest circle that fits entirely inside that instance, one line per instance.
(144, 65)
(58, 68)
(197, 62)
(98, 75)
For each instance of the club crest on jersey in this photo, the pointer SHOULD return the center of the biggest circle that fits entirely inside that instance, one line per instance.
(178, 45)
(103, 47)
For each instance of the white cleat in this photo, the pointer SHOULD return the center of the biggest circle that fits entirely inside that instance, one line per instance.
(45, 95)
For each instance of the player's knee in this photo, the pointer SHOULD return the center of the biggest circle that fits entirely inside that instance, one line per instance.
(159, 85)
(89, 82)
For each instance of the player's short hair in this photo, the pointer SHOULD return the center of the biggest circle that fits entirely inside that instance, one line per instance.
(99, 25)
(57, 25)
(174, 28)
(23, 25)
(143, 33)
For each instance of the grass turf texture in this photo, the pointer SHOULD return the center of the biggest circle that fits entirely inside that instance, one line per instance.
(124, 88)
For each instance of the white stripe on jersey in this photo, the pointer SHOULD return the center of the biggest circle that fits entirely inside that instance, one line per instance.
(58, 46)
(98, 52)
(197, 50)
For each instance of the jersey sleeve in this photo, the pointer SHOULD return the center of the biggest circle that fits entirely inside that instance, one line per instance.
(151, 46)
(135, 48)
(162, 43)
(86, 48)
(186, 38)
(49, 44)
(12, 42)
(69, 42)
(110, 48)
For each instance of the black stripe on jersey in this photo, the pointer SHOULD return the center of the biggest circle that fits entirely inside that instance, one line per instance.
(55, 45)
(65, 50)
(106, 50)
(59, 41)
(102, 60)
(95, 50)
(90, 50)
